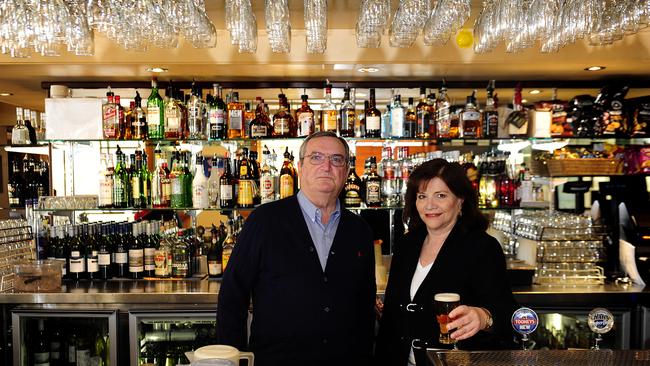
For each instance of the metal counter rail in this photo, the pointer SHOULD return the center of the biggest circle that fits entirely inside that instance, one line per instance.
(540, 358)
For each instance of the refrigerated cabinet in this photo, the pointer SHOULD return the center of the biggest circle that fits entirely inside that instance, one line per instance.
(161, 338)
(73, 337)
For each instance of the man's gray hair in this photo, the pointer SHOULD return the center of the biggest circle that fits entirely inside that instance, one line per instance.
(303, 147)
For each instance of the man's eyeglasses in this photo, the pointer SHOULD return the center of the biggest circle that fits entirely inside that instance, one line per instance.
(336, 160)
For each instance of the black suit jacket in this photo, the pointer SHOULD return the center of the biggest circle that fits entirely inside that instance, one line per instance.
(302, 315)
(470, 263)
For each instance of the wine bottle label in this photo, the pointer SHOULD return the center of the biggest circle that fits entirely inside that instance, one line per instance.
(153, 116)
(225, 259)
(352, 197)
(235, 119)
(173, 123)
(281, 126)
(373, 123)
(76, 262)
(373, 192)
(41, 358)
(83, 357)
(245, 196)
(104, 259)
(136, 260)
(397, 122)
(149, 262)
(160, 262)
(329, 120)
(225, 191)
(177, 187)
(214, 268)
(92, 264)
(306, 121)
(121, 257)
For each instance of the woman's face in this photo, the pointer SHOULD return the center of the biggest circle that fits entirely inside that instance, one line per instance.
(437, 206)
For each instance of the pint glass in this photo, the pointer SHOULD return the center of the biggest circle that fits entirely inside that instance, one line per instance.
(444, 304)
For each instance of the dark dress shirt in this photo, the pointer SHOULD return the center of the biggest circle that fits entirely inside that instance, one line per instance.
(302, 315)
(470, 263)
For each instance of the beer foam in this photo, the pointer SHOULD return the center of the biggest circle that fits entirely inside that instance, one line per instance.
(447, 297)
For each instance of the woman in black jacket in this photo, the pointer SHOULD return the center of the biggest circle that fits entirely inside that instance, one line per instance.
(445, 249)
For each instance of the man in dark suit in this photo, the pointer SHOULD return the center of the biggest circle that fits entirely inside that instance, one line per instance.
(307, 264)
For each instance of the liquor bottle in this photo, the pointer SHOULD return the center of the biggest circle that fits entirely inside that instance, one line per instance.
(41, 354)
(385, 123)
(423, 116)
(16, 186)
(19, 133)
(410, 121)
(139, 118)
(121, 262)
(249, 116)
(104, 254)
(195, 110)
(136, 252)
(246, 182)
(517, 120)
(443, 113)
(389, 178)
(215, 263)
(110, 117)
(60, 251)
(149, 249)
(360, 127)
(130, 169)
(228, 244)
(186, 178)
(235, 117)
(136, 197)
(31, 132)
(615, 121)
(255, 173)
(268, 177)
(287, 176)
(305, 118)
(226, 187)
(83, 348)
(71, 347)
(282, 120)
(352, 189)
(397, 118)
(217, 115)
(180, 261)
(121, 119)
(373, 117)
(92, 252)
(56, 346)
(260, 126)
(176, 184)
(155, 113)
(173, 115)
(490, 114)
(213, 184)
(329, 114)
(373, 185)
(347, 115)
(470, 119)
(404, 171)
(76, 258)
(200, 195)
(120, 179)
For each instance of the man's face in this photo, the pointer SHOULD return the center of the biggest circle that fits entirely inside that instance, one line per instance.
(325, 177)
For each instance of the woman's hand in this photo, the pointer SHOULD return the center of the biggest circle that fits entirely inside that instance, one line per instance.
(468, 320)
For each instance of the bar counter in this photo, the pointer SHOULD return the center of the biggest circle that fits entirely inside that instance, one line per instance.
(205, 291)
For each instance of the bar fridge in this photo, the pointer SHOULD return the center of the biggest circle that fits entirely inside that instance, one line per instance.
(161, 338)
(567, 328)
(64, 337)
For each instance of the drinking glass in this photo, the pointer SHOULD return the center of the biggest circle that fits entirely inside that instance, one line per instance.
(444, 303)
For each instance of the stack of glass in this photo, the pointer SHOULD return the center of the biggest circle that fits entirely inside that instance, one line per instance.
(278, 25)
(16, 245)
(316, 25)
(373, 19)
(410, 17)
(446, 19)
(242, 25)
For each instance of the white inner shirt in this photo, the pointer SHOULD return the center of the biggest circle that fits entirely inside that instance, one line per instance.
(418, 277)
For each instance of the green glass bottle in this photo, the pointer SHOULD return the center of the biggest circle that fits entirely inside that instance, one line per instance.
(120, 180)
(155, 113)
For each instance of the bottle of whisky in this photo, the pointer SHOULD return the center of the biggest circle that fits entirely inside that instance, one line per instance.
(348, 116)
(227, 189)
(228, 244)
(217, 115)
(195, 110)
(260, 126)
(329, 116)
(282, 120)
(490, 115)
(305, 118)
(155, 113)
(443, 113)
(423, 116)
(373, 117)
(470, 119)
(287, 176)
(373, 185)
(268, 178)
(352, 189)
(235, 117)
(246, 183)
(410, 120)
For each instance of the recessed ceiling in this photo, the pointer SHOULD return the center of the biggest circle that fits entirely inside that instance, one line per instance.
(626, 59)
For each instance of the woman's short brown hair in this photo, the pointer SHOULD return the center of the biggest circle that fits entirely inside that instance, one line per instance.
(455, 178)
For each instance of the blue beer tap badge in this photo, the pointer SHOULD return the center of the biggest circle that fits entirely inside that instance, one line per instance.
(524, 321)
(600, 320)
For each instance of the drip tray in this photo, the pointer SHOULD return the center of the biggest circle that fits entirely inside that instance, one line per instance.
(540, 358)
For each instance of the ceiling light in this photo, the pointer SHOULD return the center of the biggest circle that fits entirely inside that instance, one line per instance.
(594, 68)
(524, 101)
(5, 94)
(157, 69)
(535, 91)
(368, 69)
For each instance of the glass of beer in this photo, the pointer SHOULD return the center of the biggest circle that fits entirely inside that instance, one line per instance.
(444, 304)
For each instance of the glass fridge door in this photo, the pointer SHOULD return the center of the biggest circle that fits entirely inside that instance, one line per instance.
(161, 338)
(64, 337)
(567, 328)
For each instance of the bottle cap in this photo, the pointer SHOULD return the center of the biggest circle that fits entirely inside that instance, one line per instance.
(524, 321)
(600, 320)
